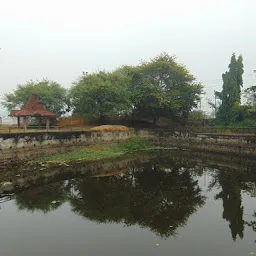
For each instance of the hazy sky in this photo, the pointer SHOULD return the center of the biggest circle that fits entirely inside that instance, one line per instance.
(60, 39)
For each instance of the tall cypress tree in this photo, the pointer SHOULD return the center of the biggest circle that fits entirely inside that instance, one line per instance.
(231, 91)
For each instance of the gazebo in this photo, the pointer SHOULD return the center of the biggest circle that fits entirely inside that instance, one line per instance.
(32, 108)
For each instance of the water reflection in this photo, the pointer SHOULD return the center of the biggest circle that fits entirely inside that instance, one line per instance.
(159, 196)
(46, 198)
(148, 195)
(232, 203)
(231, 185)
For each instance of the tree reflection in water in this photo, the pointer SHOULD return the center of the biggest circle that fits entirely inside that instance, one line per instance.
(232, 184)
(232, 204)
(159, 195)
(148, 196)
(45, 198)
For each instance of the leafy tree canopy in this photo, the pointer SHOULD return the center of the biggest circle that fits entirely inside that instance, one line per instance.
(250, 95)
(101, 94)
(162, 87)
(231, 91)
(50, 94)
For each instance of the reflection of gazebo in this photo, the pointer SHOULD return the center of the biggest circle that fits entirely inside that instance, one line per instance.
(32, 108)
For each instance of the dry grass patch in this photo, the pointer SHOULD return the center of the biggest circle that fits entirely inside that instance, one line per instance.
(110, 128)
(70, 122)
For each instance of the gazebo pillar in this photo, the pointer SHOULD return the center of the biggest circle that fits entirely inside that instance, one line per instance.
(18, 119)
(25, 123)
(47, 123)
(39, 122)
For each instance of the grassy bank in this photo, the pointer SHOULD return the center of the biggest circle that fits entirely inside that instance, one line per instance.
(96, 152)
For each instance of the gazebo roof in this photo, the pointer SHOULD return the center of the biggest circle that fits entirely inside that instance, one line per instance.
(32, 108)
(13, 112)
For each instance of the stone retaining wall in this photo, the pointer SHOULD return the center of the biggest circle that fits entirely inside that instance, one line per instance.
(242, 145)
(29, 145)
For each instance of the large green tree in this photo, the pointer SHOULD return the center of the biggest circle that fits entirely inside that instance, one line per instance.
(162, 87)
(231, 91)
(51, 94)
(101, 94)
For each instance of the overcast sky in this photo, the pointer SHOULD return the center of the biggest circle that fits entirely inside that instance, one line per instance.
(59, 40)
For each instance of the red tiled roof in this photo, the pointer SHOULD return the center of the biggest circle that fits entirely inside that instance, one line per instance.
(13, 112)
(31, 108)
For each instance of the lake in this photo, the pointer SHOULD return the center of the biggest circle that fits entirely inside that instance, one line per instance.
(167, 205)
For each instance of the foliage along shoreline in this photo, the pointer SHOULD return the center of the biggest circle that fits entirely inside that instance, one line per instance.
(158, 91)
(158, 88)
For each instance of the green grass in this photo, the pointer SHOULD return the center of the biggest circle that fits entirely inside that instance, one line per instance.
(89, 156)
(133, 145)
(96, 152)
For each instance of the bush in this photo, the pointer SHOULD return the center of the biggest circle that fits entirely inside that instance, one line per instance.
(240, 113)
(70, 122)
(197, 115)
(134, 144)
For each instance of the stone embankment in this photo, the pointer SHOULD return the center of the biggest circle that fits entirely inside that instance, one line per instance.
(33, 145)
(232, 144)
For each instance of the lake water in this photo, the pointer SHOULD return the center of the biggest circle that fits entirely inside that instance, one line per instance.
(161, 207)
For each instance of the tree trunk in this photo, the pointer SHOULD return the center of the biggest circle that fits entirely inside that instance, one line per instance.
(102, 118)
(154, 120)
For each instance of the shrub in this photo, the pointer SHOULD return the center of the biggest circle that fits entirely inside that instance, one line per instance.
(135, 144)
